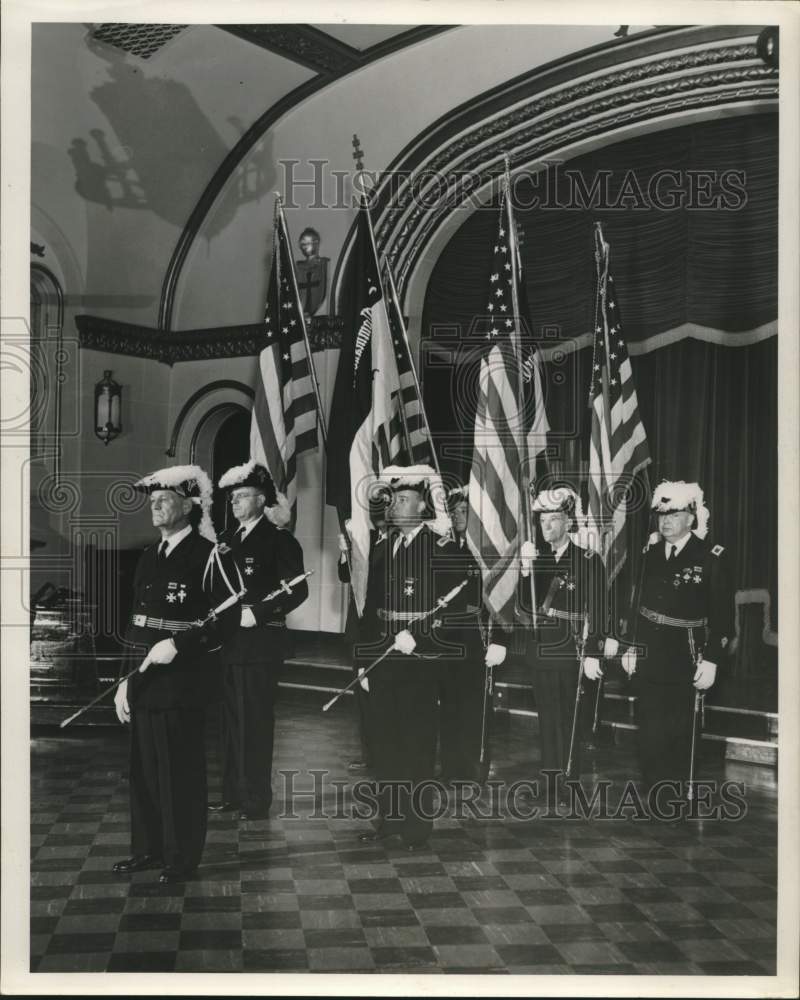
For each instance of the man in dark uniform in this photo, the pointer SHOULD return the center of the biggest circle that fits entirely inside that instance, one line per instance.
(268, 558)
(464, 694)
(684, 622)
(184, 605)
(571, 621)
(408, 574)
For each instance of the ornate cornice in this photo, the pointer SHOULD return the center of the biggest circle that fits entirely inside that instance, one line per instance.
(608, 114)
(556, 109)
(99, 334)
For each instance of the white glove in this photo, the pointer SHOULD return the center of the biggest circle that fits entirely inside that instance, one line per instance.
(405, 642)
(121, 703)
(527, 554)
(362, 680)
(629, 662)
(344, 545)
(705, 675)
(348, 527)
(495, 654)
(591, 667)
(610, 647)
(164, 651)
(248, 619)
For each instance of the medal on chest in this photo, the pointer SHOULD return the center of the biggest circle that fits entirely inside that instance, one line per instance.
(409, 586)
(176, 592)
(249, 568)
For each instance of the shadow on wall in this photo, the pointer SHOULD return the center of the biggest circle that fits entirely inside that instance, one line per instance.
(169, 149)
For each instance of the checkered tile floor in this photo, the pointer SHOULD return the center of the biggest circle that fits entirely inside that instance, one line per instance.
(495, 896)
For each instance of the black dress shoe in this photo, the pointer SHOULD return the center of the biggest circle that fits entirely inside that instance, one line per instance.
(172, 875)
(223, 807)
(138, 863)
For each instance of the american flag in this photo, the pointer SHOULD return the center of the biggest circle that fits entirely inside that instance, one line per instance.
(366, 430)
(618, 445)
(417, 445)
(505, 426)
(284, 422)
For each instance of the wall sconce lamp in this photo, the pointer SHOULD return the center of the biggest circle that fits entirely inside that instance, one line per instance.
(107, 408)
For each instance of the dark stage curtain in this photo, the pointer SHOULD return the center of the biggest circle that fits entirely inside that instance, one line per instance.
(710, 409)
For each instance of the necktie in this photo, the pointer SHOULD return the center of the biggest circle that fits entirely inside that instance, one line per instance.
(671, 552)
(162, 551)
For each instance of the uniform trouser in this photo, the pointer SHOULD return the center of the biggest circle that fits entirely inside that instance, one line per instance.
(168, 790)
(665, 703)
(247, 725)
(554, 690)
(403, 741)
(362, 715)
(251, 666)
(665, 714)
(462, 684)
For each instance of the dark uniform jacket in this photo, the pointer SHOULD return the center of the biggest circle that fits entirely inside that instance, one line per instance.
(571, 599)
(467, 626)
(402, 585)
(170, 596)
(690, 595)
(266, 557)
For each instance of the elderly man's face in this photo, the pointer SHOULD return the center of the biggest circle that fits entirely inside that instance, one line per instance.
(554, 526)
(168, 510)
(247, 504)
(675, 524)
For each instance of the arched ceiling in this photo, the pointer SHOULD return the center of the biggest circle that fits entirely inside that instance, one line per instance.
(137, 128)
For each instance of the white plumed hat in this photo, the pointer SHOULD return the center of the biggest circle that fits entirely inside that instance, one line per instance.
(670, 497)
(190, 482)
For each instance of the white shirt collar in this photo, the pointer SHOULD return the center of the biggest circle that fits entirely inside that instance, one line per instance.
(407, 539)
(173, 540)
(679, 546)
(247, 528)
(559, 552)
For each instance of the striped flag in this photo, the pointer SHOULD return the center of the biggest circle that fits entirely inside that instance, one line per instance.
(618, 445)
(418, 448)
(284, 422)
(497, 496)
(366, 429)
(535, 422)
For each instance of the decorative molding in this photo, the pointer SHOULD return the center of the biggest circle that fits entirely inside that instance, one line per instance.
(589, 109)
(302, 44)
(98, 334)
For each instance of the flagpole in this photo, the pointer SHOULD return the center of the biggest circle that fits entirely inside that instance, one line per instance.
(404, 333)
(323, 428)
(521, 444)
(602, 257)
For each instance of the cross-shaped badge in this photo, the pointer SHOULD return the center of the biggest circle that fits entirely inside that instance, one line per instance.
(408, 590)
(171, 598)
(248, 570)
(182, 594)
